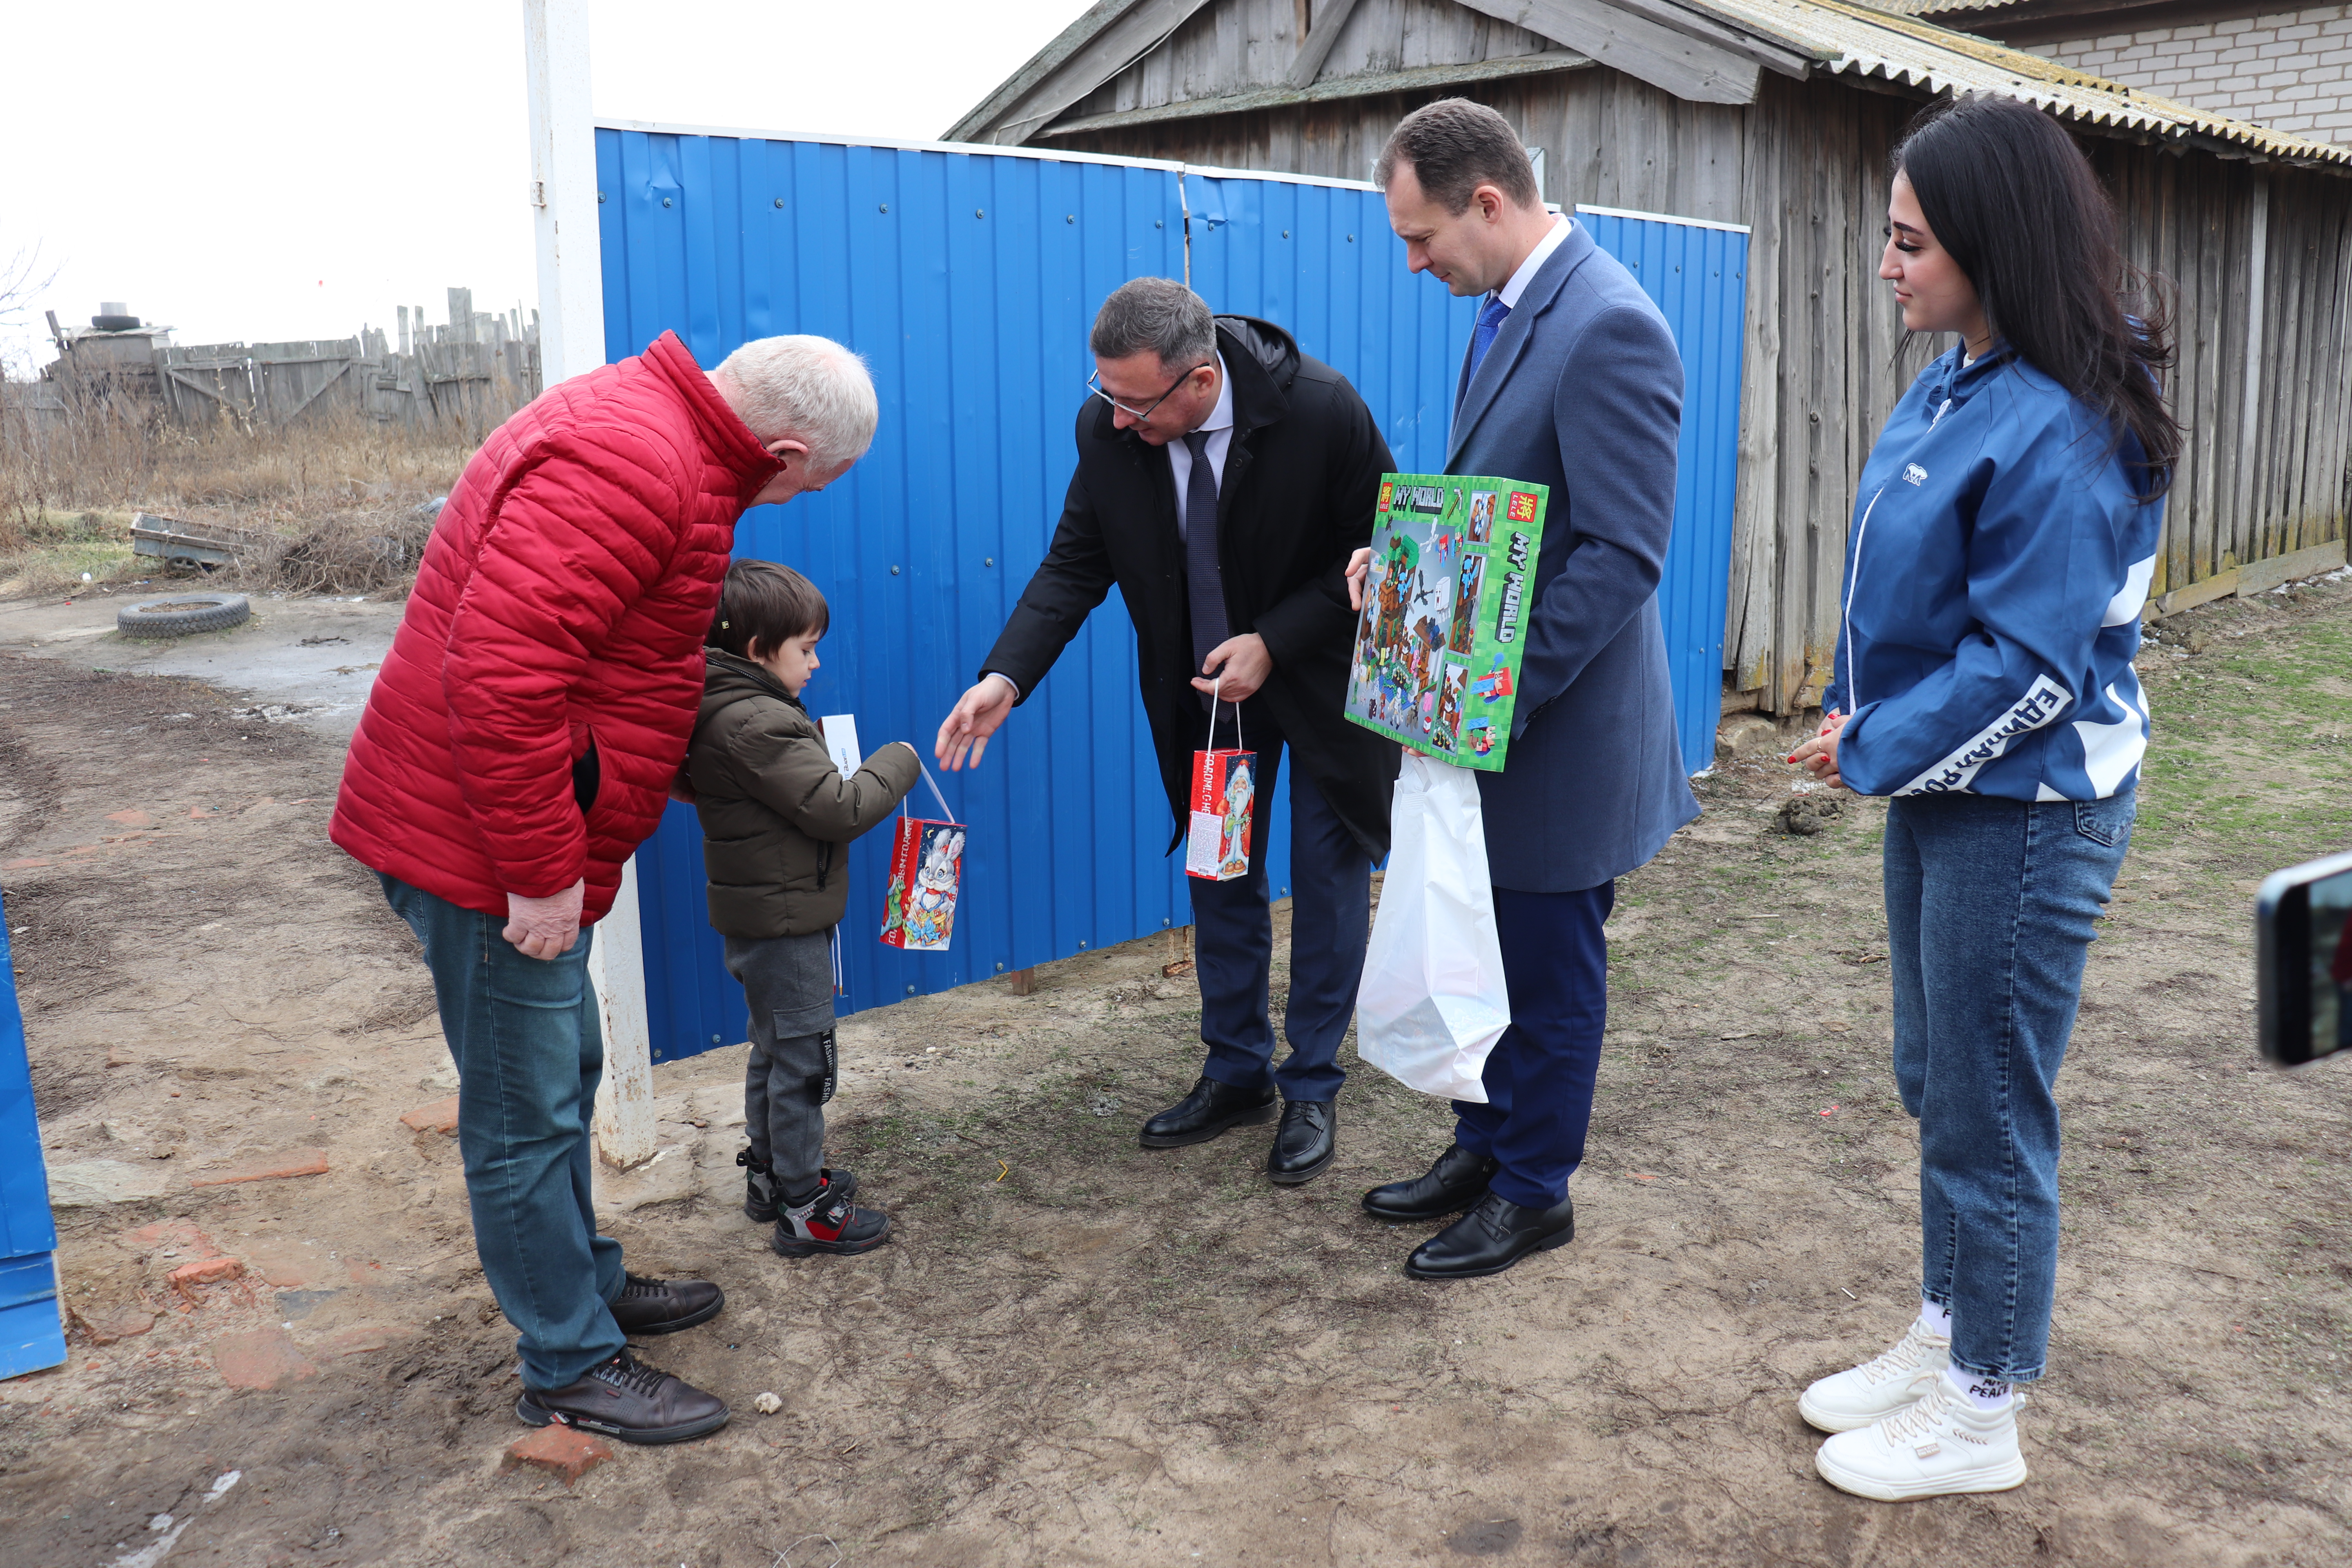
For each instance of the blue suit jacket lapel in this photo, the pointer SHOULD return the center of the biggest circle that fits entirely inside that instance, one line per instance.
(1473, 395)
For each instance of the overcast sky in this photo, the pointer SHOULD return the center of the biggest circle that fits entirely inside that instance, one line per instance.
(259, 170)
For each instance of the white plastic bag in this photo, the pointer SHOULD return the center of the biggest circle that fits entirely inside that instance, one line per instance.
(1432, 1003)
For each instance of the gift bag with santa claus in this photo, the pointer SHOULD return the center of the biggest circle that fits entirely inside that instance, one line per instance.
(1224, 790)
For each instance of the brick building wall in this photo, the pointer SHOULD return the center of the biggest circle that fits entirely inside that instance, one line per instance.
(2291, 71)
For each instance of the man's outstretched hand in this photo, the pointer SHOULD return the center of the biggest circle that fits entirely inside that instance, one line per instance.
(975, 717)
(545, 928)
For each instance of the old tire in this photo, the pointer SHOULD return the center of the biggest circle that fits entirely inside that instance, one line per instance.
(181, 615)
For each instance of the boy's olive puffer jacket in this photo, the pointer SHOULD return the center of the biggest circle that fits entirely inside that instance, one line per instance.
(777, 819)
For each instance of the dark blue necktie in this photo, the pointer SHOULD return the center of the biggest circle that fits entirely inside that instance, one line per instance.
(1482, 337)
(1204, 581)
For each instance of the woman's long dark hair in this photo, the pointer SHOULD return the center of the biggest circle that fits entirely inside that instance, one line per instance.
(2011, 197)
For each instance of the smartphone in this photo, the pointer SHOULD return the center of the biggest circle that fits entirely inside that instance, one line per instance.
(2303, 956)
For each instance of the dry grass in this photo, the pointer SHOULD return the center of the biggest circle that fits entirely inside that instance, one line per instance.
(332, 505)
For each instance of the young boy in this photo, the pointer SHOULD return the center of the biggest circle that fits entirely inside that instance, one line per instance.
(777, 820)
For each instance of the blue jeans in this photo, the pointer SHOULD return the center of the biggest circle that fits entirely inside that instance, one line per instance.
(1233, 938)
(1539, 1076)
(530, 1051)
(1991, 907)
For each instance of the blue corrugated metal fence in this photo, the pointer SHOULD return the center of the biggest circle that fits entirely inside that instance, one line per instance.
(32, 1335)
(1697, 272)
(969, 278)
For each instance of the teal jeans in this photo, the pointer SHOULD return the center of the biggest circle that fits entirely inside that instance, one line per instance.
(530, 1051)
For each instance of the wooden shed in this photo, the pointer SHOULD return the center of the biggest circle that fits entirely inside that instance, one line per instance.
(1777, 115)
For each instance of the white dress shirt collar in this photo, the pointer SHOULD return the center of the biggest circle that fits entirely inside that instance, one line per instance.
(1220, 417)
(1219, 429)
(1509, 293)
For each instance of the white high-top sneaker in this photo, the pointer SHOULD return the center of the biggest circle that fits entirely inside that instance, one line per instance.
(1886, 1385)
(1942, 1445)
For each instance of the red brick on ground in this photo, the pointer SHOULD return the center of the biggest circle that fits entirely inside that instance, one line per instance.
(130, 818)
(204, 1271)
(269, 1167)
(121, 1323)
(561, 1451)
(441, 1117)
(262, 1359)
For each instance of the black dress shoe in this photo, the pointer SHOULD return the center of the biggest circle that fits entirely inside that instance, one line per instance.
(1208, 1110)
(1456, 1180)
(665, 1306)
(626, 1398)
(1304, 1142)
(1490, 1239)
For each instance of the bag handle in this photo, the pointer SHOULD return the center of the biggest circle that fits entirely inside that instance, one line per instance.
(935, 791)
(1239, 744)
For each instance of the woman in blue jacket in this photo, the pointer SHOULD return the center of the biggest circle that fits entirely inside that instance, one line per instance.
(2003, 538)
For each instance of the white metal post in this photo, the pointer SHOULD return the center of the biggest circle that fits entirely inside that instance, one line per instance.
(563, 188)
(572, 341)
(625, 1097)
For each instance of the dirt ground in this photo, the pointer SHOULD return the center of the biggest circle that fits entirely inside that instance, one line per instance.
(1076, 1351)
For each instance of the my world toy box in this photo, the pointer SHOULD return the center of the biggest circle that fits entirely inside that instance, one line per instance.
(1444, 620)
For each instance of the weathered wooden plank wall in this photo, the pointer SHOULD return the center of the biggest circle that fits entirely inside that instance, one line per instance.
(1251, 44)
(2268, 467)
(1805, 167)
(467, 376)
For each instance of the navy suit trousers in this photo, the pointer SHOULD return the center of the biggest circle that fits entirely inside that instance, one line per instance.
(1233, 937)
(1539, 1076)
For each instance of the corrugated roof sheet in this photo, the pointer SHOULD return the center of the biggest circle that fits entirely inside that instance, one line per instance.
(1936, 8)
(1867, 41)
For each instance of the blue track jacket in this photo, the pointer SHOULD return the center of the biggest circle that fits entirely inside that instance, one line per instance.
(1994, 578)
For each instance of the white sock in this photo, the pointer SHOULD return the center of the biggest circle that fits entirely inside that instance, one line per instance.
(1984, 1392)
(1937, 1319)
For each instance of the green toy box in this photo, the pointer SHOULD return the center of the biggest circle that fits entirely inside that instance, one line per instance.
(1445, 621)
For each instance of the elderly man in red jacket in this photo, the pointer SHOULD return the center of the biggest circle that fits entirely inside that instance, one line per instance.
(526, 726)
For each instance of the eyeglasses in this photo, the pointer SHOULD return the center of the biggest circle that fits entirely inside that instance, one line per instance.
(1094, 388)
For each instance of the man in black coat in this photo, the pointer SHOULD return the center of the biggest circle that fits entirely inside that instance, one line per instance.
(1224, 479)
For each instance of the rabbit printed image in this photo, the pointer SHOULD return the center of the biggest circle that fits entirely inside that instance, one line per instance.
(931, 913)
(926, 873)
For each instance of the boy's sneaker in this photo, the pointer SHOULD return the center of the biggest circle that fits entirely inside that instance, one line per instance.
(1886, 1385)
(760, 1194)
(626, 1398)
(829, 1223)
(1942, 1445)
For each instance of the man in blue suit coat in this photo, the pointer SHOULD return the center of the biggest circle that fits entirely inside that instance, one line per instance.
(1571, 380)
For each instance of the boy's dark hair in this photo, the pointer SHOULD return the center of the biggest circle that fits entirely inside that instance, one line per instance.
(1455, 146)
(766, 604)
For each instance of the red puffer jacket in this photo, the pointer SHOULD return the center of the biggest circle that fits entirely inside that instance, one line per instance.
(562, 603)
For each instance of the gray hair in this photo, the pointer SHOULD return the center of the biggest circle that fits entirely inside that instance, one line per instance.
(1160, 314)
(808, 388)
(1455, 146)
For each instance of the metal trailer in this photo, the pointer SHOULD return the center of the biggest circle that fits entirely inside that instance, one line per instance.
(968, 277)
